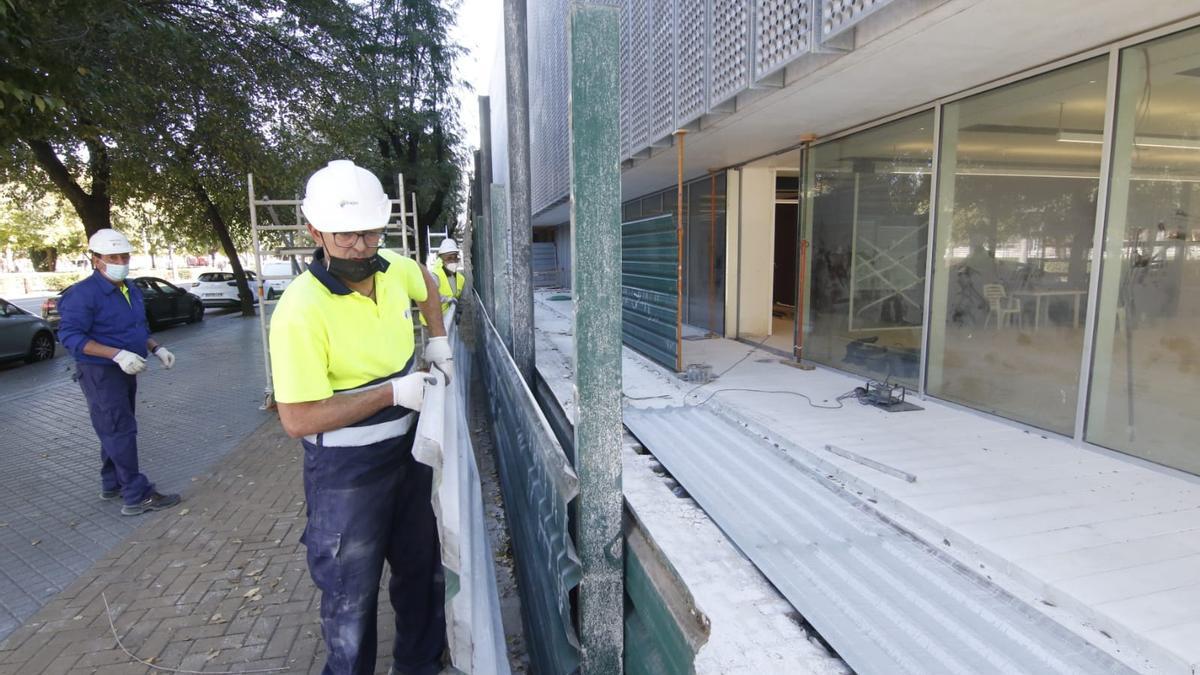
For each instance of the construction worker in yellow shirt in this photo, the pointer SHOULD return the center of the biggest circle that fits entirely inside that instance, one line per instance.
(345, 382)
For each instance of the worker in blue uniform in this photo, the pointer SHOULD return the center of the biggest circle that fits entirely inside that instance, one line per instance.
(342, 364)
(103, 325)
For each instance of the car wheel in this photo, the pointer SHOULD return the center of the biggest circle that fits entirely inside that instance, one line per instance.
(271, 294)
(41, 349)
(197, 313)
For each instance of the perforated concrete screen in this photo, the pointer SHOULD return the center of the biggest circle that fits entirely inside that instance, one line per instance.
(662, 71)
(781, 29)
(838, 16)
(730, 72)
(692, 59)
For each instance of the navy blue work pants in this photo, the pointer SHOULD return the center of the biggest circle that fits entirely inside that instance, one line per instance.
(366, 505)
(110, 395)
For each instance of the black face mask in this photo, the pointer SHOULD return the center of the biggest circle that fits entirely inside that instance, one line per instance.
(354, 270)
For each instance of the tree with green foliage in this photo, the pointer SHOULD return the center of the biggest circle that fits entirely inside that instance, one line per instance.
(173, 102)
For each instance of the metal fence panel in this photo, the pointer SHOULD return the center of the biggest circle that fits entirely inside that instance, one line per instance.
(545, 264)
(474, 629)
(650, 297)
(538, 484)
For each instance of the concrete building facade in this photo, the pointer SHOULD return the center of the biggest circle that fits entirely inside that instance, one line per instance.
(995, 203)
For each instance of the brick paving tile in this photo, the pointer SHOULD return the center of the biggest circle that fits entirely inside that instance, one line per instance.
(181, 586)
(55, 527)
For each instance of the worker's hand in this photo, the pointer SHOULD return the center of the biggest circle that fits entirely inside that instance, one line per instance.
(437, 353)
(409, 391)
(131, 363)
(167, 358)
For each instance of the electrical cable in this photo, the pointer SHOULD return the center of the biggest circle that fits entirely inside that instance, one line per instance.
(806, 397)
(753, 349)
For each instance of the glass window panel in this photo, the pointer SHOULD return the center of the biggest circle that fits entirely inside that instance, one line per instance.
(704, 277)
(1146, 364)
(1017, 184)
(868, 215)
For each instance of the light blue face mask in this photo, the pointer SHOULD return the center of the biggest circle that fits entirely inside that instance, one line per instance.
(115, 272)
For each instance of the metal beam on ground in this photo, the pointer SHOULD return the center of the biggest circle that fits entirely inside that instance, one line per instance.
(520, 229)
(595, 175)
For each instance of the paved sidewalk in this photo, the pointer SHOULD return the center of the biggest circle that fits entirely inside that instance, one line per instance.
(53, 525)
(218, 585)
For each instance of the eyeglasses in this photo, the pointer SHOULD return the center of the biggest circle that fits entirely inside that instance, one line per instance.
(372, 238)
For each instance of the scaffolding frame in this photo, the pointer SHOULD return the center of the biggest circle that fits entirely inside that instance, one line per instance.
(402, 224)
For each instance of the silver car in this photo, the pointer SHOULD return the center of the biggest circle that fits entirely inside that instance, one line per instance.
(23, 335)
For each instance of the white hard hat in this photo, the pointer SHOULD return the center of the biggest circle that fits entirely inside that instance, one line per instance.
(448, 246)
(342, 197)
(108, 242)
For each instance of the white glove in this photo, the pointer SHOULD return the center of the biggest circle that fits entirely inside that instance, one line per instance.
(409, 391)
(131, 363)
(437, 352)
(167, 358)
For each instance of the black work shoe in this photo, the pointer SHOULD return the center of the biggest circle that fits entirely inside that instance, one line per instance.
(153, 502)
(108, 495)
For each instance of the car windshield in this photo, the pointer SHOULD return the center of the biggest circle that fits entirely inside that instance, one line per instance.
(216, 276)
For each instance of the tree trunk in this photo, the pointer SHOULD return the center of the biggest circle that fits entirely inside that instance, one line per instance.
(95, 209)
(222, 229)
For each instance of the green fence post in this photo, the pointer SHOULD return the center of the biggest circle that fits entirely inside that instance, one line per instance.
(595, 96)
(501, 266)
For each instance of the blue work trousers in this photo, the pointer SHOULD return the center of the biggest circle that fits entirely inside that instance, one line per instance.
(110, 395)
(366, 505)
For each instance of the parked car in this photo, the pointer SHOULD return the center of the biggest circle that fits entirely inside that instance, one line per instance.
(219, 289)
(23, 335)
(276, 287)
(165, 303)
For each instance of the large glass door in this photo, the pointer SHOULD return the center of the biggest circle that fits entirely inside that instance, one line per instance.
(866, 212)
(1018, 181)
(1146, 364)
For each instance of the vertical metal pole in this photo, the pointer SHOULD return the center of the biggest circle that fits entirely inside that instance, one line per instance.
(594, 114)
(501, 275)
(269, 392)
(516, 62)
(1098, 246)
(679, 134)
(930, 246)
(485, 187)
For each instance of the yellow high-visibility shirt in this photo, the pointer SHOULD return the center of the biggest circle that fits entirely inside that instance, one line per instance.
(327, 338)
(447, 288)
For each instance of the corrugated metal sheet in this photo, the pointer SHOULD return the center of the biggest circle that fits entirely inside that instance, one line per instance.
(650, 297)
(473, 627)
(538, 484)
(545, 264)
(885, 601)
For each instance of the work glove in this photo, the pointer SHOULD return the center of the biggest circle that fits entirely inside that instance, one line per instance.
(409, 391)
(131, 363)
(167, 358)
(437, 353)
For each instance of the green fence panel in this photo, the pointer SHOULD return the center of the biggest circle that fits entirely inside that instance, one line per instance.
(649, 288)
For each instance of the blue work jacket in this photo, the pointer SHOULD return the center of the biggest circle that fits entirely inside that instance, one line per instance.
(95, 309)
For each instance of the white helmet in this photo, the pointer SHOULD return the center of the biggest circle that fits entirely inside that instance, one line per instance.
(108, 242)
(342, 197)
(448, 246)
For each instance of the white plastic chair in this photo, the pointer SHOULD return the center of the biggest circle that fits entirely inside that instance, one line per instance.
(1004, 312)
